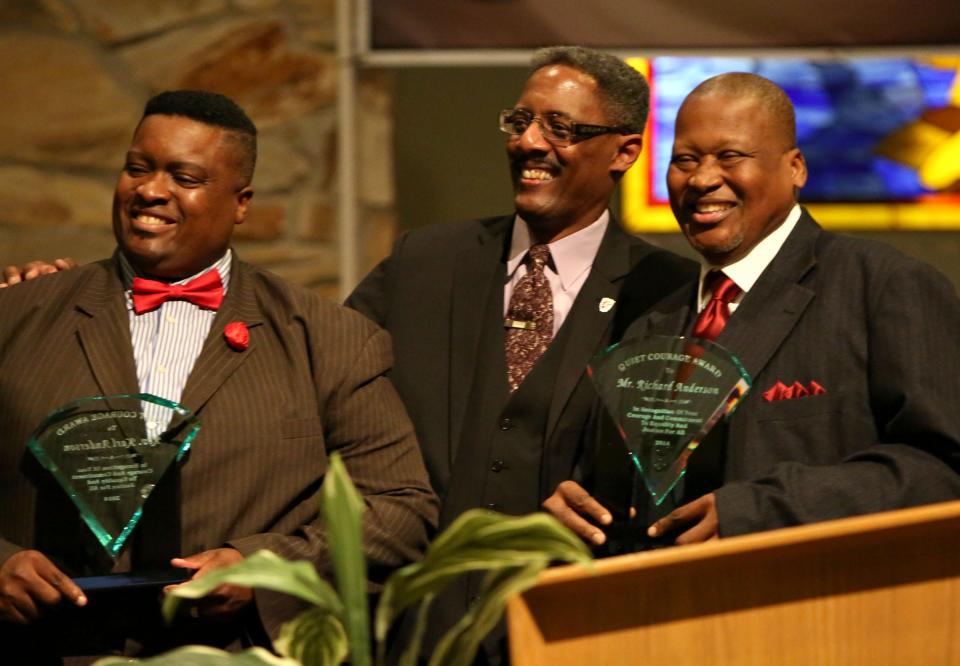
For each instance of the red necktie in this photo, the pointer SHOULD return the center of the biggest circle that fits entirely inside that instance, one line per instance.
(206, 292)
(714, 317)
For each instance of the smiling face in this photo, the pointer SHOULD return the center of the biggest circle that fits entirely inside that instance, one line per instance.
(733, 174)
(179, 196)
(561, 189)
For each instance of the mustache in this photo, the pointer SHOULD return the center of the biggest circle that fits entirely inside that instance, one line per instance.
(526, 163)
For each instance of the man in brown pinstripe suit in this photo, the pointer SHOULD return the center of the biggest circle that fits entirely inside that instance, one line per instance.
(309, 381)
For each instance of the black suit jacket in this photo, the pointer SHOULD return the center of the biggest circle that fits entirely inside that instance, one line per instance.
(434, 294)
(877, 330)
(431, 293)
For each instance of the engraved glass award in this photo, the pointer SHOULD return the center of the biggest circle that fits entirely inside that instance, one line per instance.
(662, 394)
(108, 453)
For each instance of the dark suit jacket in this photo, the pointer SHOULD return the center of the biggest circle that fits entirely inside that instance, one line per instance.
(311, 382)
(434, 294)
(878, 331)
(430, 294)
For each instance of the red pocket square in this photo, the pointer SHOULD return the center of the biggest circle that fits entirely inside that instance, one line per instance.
(781, 391)
(774, 393)
(816, 389)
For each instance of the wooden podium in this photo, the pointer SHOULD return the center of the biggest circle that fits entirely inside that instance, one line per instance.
(877, 589)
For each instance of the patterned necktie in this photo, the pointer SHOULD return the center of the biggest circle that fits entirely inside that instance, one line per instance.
(529, 320)
(206, 292)
(714, 317)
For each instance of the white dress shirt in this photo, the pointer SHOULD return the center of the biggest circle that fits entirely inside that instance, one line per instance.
(747, 270)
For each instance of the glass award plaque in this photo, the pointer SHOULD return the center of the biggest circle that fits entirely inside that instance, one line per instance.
(108, 453)
(663, 394)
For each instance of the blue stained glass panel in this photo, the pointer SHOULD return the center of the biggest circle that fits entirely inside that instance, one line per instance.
(844, 109)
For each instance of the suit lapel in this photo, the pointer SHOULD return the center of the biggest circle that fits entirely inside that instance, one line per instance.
(669, 317)
(476, 268)
(105, 336)
(586, 322)
(217, 360)
(772, 308)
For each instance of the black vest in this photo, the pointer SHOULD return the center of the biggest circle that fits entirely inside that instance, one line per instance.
(499, 462)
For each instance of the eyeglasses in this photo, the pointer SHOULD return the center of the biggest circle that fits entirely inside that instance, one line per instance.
(557, 128)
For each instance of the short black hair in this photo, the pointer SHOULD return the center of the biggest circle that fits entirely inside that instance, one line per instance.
(211, 109)
(625, 91)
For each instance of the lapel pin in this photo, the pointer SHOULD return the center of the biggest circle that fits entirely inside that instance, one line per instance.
(606, 304)
(237, 335)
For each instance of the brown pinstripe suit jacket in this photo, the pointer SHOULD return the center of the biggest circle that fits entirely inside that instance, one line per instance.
(310, 382)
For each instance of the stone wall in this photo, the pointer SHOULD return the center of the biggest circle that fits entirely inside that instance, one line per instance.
(74, 76)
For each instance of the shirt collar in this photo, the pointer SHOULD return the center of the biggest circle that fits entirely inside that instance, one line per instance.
(127, 273)
(569, 256)
(747, 270)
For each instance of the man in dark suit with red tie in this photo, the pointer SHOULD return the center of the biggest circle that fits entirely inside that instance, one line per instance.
(850, 343)
(279, 377)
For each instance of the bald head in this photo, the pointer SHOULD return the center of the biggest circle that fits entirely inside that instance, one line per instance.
(735, 170)
(767, 95)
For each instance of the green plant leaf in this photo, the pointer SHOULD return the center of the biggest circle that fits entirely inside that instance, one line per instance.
(412, 651)
(477, 540)
(459, 645)
(265, 570)
(342, 509)
(314, 638)
(204, 656)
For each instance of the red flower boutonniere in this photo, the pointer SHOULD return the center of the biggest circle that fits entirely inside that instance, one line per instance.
(237, 335)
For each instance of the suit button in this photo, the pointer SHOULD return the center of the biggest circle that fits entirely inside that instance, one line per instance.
(493, 506)
(497, 466)
(505, 424)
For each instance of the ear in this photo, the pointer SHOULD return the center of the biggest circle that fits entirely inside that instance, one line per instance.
(243, 202)
(629, 149)
(798, 168)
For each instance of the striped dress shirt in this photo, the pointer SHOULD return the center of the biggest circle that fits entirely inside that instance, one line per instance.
(168, 340)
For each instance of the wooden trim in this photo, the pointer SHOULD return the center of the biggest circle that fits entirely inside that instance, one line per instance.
(883, 588)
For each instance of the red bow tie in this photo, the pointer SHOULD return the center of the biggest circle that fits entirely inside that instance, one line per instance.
(205, 292)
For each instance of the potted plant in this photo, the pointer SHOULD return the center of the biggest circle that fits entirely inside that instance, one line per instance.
(512, 551)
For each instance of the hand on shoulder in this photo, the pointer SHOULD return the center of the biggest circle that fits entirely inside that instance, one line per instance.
(15, 274)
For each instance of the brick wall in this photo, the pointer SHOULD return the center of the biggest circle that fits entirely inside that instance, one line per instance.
(74, 75)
